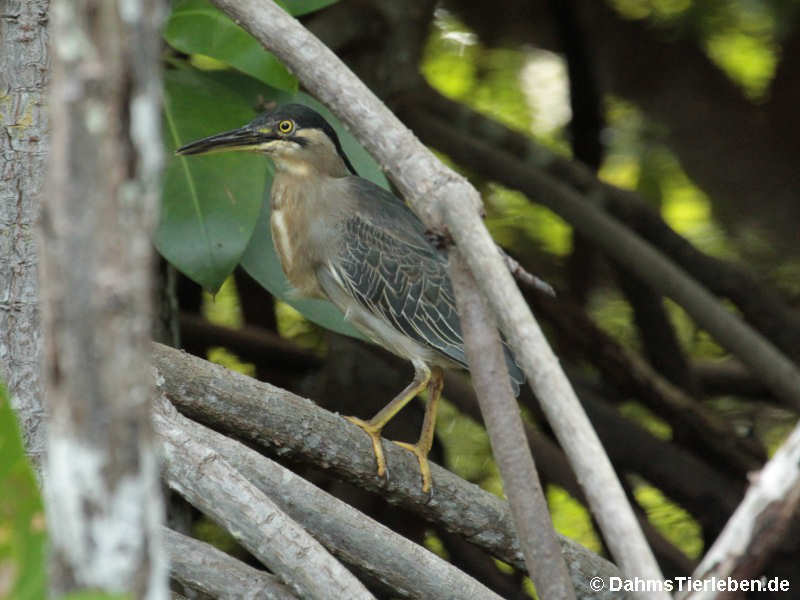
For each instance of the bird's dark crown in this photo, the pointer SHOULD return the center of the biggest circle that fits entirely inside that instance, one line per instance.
(304, 118)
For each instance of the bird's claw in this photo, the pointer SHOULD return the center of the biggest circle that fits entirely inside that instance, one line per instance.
(424, 467)
(374, 434)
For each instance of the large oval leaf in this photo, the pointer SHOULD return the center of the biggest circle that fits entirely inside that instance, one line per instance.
(198, 27)
(210, 204)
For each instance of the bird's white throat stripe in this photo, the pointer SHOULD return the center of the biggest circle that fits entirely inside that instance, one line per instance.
(280, 233)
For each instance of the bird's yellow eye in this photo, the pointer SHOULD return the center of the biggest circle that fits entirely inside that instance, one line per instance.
(285, 126)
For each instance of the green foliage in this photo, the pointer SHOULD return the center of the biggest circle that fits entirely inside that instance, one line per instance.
(740, 36)
(672, 521)
(571, 519)
(298, 8)
(198, 27)
(486, 79)
(210, 204)
(22, 521)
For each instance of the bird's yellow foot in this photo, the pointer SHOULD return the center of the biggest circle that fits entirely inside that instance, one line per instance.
(375, 435)
(421, 452)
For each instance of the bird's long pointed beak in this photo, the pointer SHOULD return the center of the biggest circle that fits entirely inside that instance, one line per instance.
(244, 138)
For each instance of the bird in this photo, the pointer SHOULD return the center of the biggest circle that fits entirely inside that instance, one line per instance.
(345, 239)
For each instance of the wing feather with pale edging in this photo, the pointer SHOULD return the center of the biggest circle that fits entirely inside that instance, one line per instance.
(391, 269)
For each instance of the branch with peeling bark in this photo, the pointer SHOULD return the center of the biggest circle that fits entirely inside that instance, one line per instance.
(444, 199)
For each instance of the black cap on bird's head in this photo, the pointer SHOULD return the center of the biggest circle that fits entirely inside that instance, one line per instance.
(282, 133)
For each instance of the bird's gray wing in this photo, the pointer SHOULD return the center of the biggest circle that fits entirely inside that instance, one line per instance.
(391, 269)
(404, 284)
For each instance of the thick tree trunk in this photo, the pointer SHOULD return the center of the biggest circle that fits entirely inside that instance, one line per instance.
(102, 493)
(23, 139)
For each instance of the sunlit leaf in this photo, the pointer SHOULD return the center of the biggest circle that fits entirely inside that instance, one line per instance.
(198, 27)
(210, 203)
(22, 522)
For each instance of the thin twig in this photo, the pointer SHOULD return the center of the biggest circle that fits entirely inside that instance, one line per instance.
(207, 481)
(444, 199)
(509, 443)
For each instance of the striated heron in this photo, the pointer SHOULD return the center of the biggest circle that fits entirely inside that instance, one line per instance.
(343, 238)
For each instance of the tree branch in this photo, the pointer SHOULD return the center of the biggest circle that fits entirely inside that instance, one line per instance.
(372, 548)
(202, 567)
(442, 198)
(208, 481)
(509, 445)
(23, 144)
(759, 523)
(101, 489)
(291, 426)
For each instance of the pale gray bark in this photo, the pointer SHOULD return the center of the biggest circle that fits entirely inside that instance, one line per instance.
(210, 483)
(509, 443)
(445, 200)
(353, 537)
(23, 150)
(102, 492)
(759, 523)
(202, 567)
(280, 422)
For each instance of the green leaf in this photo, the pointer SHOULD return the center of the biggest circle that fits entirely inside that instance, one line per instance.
(210, 204)
(22, 521)
(198, 27)
(301, 7)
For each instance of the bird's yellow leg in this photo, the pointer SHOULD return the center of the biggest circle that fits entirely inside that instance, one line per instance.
(374, 426)
(423, 445)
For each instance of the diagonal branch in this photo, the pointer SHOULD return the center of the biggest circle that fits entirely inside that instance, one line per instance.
(444, 199)
(202, 567)
(760, 305)
(507, 434)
